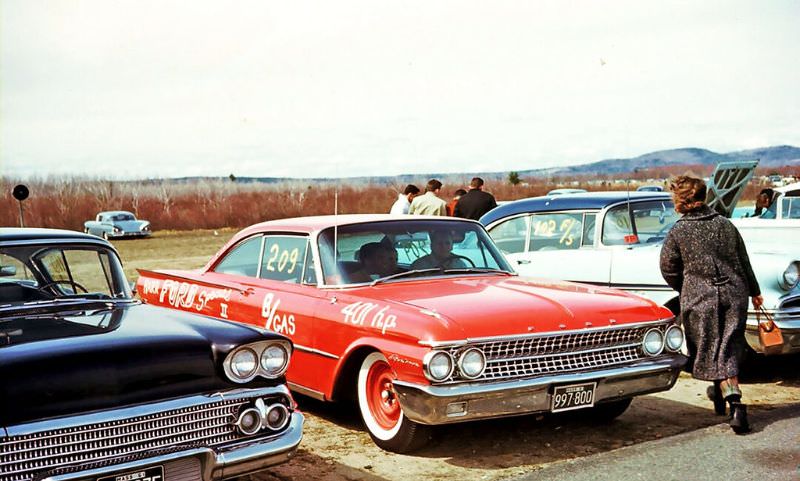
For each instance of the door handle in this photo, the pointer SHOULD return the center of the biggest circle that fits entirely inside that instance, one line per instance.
(523, 261)
(249, 291)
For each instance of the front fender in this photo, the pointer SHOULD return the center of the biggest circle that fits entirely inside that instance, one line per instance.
(404, 358)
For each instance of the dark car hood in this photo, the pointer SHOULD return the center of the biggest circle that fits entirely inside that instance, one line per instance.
(79, 361)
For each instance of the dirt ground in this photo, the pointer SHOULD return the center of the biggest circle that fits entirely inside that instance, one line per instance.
(336, 447)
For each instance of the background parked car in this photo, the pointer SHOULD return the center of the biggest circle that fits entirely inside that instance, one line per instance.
(117, 224)
(428, 340)
(614, 239)
(97, 386)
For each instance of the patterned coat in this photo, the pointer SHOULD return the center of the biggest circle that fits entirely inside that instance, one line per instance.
(705, 260)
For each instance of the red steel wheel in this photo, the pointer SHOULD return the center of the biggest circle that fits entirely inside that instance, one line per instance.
(381, 411)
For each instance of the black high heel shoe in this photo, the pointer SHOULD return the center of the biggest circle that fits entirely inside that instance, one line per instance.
(738, 422)
(714, 393)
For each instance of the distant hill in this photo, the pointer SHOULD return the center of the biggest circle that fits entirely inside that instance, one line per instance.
(777, 156)
(767, 156)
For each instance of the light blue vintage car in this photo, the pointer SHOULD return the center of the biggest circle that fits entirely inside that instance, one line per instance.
(117, 224)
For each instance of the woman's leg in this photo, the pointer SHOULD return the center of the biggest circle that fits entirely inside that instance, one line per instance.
(733, 395)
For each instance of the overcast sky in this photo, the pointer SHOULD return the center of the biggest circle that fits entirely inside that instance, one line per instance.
(166, 88)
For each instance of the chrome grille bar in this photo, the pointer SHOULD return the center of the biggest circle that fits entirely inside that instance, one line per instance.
(105, 437)
(540, 354)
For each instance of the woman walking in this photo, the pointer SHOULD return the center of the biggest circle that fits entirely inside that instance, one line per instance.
(705, 260)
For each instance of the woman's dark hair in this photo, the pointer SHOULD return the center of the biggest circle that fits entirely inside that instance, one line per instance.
(688, 193)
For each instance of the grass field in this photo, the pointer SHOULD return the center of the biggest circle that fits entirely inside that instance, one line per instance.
(171, 250)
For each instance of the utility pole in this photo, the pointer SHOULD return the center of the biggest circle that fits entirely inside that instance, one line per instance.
(20, 192)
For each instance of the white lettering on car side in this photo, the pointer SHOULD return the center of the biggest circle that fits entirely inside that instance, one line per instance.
(357, 314)
(275, 321)
(189, 296)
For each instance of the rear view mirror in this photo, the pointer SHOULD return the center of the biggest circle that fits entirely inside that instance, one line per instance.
(8, 271)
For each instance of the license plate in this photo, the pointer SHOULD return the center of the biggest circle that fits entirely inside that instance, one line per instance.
(153, 473)
(574, 396)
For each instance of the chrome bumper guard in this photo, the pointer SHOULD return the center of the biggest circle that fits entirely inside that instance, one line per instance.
(428, 404)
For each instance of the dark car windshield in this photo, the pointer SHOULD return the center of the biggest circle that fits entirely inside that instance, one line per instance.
(123, 217)
(370, 252)
(30, 273)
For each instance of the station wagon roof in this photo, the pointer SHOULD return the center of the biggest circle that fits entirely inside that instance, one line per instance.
(585, 201)
(115, 212)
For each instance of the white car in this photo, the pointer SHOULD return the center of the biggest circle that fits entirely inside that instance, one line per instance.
(779, 225)
(614, 239)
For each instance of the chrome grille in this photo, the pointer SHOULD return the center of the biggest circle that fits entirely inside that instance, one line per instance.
(208, 424)
(534, 355)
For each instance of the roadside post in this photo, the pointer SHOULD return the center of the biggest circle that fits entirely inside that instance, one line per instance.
(20, 192)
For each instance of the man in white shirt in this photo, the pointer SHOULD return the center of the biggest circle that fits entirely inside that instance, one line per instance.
(403, 201)
(430, 203)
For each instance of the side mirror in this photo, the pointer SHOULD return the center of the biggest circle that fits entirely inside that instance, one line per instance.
(133, 287)
(8, 271)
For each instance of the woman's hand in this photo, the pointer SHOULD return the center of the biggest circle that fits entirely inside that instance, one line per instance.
(757, 301)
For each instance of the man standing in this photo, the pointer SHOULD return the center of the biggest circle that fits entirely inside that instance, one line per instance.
(476, 202)
(430, 203)
(403, 201)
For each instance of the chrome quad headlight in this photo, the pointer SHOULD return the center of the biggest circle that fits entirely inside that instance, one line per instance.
(673, 338)
(438, 365)
(269, 359)
(471, 363)
(653, 342)
(790, 276)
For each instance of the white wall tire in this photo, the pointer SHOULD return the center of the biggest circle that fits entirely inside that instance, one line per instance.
(383, 417)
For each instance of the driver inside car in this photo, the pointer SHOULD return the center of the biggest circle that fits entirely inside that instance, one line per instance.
(441, 254)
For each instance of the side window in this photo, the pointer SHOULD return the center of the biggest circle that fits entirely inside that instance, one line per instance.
(284, 258)
(617, 226)
(653, 220)
(556, 231)
(589, 222)
(510, 236)
(87, 268)
(242, 260)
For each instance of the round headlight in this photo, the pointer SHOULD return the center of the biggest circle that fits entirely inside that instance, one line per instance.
(653, 342)
(791, 276)
(274, 359)
(471, 363)
(244, 363)
(674, 338)
(438, 365)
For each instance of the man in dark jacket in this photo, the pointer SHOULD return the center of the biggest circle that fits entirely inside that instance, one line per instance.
(476, 202)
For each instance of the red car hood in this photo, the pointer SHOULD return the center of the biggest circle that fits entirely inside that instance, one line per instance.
(501, 306)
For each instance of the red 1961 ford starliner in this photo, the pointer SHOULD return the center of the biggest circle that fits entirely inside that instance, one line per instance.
(423, 321)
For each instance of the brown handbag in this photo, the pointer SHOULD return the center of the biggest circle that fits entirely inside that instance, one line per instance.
(769, 333)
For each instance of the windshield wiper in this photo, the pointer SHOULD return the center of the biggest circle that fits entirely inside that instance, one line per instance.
(477, 270)
(467, 270)
(406, 274)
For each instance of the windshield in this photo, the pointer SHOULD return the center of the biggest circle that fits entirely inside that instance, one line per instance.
(363, 253)
(31, 273)
(123, 217)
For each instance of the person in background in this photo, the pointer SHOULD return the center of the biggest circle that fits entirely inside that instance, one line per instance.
(451, 206)
(705, 260)
(476, 202)
(429, 203)
(403, 201)
(764, 200)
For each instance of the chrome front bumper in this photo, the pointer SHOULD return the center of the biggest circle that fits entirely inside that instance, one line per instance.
(787, 318)
(428, 404)
(213, 465)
